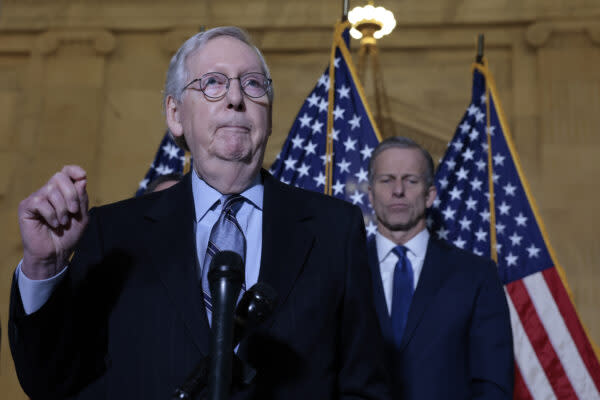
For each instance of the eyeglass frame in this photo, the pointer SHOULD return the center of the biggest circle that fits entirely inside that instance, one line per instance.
(268, 80)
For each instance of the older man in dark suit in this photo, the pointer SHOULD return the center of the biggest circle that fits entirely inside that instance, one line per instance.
(442, 310)
(127, 318)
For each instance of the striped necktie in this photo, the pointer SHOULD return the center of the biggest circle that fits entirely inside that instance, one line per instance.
(226, 234)
(402, 294)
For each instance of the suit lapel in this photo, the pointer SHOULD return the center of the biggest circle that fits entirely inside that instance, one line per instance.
(176, 260)
(286, 239)
(378, 293)
(285, 233)
(433, 275)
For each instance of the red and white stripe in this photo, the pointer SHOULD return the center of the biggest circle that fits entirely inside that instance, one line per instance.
(553, 355)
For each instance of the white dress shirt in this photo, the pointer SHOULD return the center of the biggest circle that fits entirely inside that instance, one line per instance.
(416, 250)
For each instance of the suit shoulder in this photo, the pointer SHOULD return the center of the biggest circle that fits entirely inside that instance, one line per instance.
(461, 256)
(129, 206)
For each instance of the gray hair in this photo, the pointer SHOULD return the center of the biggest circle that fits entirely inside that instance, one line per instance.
(178, 74)
(402, 142)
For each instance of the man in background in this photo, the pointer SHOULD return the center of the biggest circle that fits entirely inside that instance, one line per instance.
(442, 310)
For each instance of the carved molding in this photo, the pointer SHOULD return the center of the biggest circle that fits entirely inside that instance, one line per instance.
(594, 33)
(102, 41)
(17, 43)
(537, 35)
(269, 39)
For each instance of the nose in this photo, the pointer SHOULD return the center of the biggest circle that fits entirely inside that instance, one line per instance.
(235, 96)
(398, 189)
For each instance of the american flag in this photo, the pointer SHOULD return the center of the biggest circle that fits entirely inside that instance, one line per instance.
(169, 159)
(553, 355)
(330, 143)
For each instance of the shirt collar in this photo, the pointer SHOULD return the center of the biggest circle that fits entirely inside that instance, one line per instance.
(205, 196)
(417, 245)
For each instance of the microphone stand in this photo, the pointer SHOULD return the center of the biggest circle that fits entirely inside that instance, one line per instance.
(255, 306)
(225, 278)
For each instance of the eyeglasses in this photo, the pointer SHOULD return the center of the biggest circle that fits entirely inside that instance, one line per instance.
(215, 85)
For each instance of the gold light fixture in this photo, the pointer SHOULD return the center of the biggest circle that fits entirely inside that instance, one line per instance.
(370, 23)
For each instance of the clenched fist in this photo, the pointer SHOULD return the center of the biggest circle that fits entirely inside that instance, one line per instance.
(52, 221)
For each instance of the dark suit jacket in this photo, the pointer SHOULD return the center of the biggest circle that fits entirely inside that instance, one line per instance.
(457, 343)
(128, 322)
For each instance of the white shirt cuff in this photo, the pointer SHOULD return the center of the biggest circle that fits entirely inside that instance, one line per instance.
(35, 293)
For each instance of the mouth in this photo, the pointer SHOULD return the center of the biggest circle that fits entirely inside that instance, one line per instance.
(398, 207)
(234, 128)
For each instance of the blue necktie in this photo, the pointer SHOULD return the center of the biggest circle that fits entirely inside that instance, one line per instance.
(402, 294)
(226, 234)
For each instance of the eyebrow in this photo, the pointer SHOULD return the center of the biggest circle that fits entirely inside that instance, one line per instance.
(401, 176)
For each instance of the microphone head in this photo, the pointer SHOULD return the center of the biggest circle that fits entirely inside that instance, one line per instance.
(226, 264)
(257, 304)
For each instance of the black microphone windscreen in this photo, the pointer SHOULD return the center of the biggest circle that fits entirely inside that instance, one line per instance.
(265, 291)
(227, 264)
(255, 306)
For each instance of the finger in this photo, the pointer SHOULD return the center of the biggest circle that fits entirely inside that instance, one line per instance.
(39, 208)
(64, 185)
(75, 172)
(57, 200)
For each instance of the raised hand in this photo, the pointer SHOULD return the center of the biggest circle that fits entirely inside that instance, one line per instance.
(52, 221)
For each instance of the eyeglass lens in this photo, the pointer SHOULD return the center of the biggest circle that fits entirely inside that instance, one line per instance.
(216, 84)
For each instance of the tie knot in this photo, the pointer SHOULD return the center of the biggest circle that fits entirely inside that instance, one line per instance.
(400, 251)
(232, 203)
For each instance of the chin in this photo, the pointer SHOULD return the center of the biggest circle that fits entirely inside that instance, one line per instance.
(235, 156)
(233, 151)
(401, 225)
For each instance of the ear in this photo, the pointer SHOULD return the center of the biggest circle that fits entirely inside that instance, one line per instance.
(430, 196)
(173, 111)
(370, 192)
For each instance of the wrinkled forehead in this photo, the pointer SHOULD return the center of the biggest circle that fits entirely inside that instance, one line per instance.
(224, 51)
(406, 159)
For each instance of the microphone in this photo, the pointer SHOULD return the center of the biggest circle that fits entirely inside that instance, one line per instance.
(255, 306)
(225, 277)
